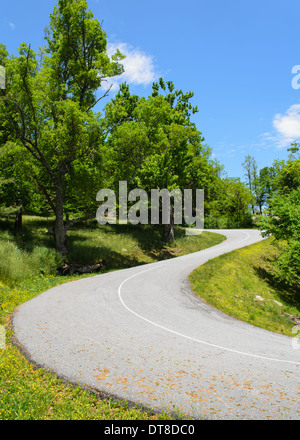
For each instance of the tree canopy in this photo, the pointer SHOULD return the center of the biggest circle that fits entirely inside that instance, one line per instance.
(57, 151)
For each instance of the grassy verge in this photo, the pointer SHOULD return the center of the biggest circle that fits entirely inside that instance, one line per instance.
(241, 285)
(27, 268)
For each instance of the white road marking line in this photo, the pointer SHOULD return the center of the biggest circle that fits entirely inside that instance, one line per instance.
(189, 337)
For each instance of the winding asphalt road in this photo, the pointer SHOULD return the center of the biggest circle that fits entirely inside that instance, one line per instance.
(141, 334)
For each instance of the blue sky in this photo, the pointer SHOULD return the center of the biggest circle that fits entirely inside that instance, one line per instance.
(236, 56)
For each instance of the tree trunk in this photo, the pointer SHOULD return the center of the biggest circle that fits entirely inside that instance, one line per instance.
(18, 220)
(60, 231)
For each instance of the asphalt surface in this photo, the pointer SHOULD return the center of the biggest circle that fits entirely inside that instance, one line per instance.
(141, 334)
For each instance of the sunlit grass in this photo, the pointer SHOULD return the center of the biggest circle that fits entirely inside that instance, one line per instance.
(236, 282)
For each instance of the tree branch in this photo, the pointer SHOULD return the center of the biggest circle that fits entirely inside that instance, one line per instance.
(99, 99)
(78, 220)
(44, 191)
(37, 154)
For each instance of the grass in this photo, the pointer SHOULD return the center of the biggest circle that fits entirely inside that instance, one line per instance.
(117, 246)
(121, 246)
(28, 267)
(234, 282)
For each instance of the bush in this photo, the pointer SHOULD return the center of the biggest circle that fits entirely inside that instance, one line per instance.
(288, 264)
(214, 222)
(230, 222)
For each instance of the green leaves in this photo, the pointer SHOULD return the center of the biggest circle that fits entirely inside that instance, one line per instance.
(47, 106)
(150, 139)
(77, 46)
(283, 220)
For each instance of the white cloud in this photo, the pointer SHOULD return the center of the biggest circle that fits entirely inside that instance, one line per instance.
(287, 126)
(12, 25)
(138, 66)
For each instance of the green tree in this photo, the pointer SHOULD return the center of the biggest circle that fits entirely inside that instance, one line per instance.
(152, 143)
(259, 191)
(230, 209)
(252, 180)
(283, 221)
(288, 178)
(48, 102)
(267, 177)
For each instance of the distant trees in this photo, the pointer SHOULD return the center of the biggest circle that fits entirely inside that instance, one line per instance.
(267, 177)
(277, 189)
(258, 182)
(250, 167)
(230, 208)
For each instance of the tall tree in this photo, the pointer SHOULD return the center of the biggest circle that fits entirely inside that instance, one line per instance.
(250, 167)
(267, 177)
(152, 142)
(49, 100)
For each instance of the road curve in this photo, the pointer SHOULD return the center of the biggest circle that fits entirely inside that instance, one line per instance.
(141, 334)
